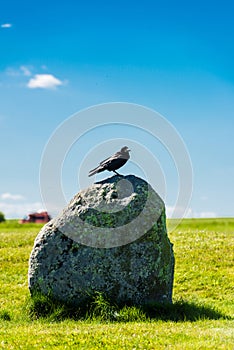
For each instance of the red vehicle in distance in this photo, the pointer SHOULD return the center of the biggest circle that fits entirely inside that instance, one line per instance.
(40, 217)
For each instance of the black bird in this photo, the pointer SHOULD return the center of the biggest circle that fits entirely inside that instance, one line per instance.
(113, 163)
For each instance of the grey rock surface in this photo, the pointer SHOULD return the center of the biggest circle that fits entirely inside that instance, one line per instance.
(111, 238)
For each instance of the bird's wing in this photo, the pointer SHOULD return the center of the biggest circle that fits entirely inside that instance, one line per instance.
(108, 160)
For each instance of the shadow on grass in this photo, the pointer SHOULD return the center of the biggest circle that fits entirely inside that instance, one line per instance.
(183, 311)
(100, 309)
(5, 315)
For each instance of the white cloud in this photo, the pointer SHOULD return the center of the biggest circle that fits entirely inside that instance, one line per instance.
(180, 212)
(15, 206)
(6, 25)
(14, 197)
(208, 214)
(44, 81)
(19, 210)
(25, 71)
(12, 72)
(18, 72)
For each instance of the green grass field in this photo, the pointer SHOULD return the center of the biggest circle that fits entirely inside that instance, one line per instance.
(202, 315)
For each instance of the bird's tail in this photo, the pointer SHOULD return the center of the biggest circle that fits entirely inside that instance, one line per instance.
(94, 171)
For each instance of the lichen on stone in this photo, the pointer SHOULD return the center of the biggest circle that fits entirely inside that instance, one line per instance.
(122, 210)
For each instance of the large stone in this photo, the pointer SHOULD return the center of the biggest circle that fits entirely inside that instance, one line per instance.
(111, 238)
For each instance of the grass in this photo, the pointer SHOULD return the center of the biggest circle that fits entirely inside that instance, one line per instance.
(201, 316)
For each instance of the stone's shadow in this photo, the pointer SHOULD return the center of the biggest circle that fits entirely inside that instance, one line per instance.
(182, 311)
(102, 310)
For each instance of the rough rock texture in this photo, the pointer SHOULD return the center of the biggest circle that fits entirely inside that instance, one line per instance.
(111, 238)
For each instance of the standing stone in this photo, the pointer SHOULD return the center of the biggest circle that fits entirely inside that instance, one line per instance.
(111, 238)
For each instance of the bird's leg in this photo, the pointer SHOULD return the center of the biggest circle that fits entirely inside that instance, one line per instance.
(117, 173)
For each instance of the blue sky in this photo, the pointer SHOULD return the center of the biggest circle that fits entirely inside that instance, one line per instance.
(175, 57)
